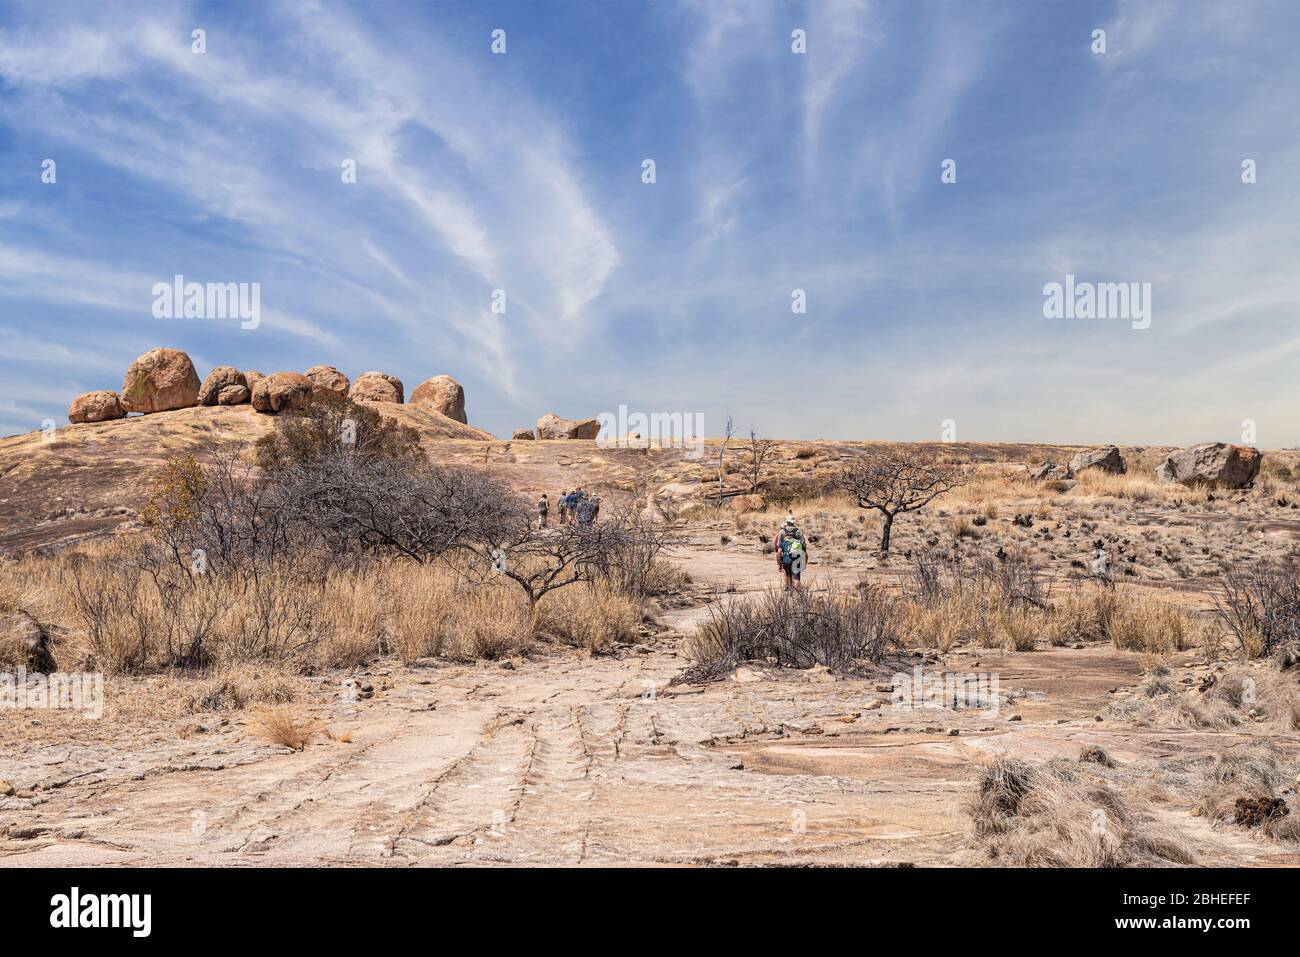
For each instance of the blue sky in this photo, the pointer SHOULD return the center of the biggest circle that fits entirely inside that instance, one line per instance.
(775, 171)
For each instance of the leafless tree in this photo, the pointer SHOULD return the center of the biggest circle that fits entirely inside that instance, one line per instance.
(728, 430)
(758, 452)
(895, 480)
(423, 513)
(541, 560)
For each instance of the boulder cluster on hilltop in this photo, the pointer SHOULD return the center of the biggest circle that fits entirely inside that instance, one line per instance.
(1209, 463)
(163, 380)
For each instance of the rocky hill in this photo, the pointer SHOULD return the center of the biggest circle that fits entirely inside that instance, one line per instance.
(85, 479)
(62, 485)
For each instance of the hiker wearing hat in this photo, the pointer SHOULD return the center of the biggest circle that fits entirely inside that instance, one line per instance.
(791, 551)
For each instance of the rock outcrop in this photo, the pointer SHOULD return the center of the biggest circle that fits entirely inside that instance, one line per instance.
(22, 638)
(328, 379)
(740, 504)
(1212, 463)
(251, 378)
(523, 434)
(552, 426)
(1050, 471)
(98, 406)
(443, 394)
(218, 379)
(234, 395)
(159, 381)
(1106, 459)
(281, 392)
(377, 387)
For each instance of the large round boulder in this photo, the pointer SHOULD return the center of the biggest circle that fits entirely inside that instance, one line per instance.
(377, 387)
(234, 395)
(443, 394)
(1106, 459)
(251, 378)
(523, 434)
(98, 406)
(552, 426)
(281, 392)
(1212, 463)
(328, 379)
(159, 381)
(218, 379)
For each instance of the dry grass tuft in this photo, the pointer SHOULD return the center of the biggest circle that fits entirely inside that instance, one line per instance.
(589, 617)
(1247, 696)
(1059, 814)
(283, 726)
(235, 688)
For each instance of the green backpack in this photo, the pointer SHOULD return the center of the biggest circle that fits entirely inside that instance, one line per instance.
(791, 548)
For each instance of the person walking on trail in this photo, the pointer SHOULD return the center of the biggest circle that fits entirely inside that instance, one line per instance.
(543, 507)
(791, 552)
(563, 502)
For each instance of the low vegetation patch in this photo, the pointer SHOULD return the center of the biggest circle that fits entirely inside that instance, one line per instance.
(1220, 701)
(1066, 814)
(842, 628)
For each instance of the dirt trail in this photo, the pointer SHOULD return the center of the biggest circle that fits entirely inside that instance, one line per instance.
(590, 761)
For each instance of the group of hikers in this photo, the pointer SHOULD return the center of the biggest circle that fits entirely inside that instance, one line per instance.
(576, 508)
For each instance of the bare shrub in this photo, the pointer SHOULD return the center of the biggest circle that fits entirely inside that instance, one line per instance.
(1260, 608)
(331, 426)
(841, 628)
(628, 561)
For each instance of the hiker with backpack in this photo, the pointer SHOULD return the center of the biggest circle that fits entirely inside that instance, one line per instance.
(791, 552)
(562, 500)
(573, 501)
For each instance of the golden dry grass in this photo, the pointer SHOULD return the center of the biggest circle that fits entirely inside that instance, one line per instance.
(342, 619)
(981, 616)
(284, 726)
(1064, 814)
(589, 617)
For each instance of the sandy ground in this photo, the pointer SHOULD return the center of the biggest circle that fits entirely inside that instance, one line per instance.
(566, 760)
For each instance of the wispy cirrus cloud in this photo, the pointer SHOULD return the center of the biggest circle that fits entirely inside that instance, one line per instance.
(776, 171)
